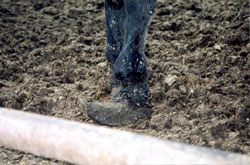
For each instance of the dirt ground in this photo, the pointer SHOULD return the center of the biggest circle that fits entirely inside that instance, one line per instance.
(52, 54)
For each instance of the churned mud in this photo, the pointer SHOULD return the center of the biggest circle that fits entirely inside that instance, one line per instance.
(52, 54)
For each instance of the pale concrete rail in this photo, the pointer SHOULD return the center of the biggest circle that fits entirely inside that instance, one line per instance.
(87, 144)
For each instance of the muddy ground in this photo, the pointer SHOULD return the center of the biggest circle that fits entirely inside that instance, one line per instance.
(52, 54)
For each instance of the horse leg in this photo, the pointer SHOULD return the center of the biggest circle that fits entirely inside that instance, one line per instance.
(115, 17)
(130, 67)
(127, 22)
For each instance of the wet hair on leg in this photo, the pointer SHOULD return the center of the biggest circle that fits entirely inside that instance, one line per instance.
(131, 67)
(115, 16)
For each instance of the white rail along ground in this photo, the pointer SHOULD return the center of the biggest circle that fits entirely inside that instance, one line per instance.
(87, 144)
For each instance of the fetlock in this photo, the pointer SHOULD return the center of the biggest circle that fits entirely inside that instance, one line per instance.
(131, 66)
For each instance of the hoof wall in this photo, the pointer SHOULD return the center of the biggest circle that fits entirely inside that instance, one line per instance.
(115, 114)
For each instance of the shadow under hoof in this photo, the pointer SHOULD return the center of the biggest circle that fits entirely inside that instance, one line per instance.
(115, 114)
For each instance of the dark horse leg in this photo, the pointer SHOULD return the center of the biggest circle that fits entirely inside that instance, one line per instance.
(127, 22)
(115, 18)
(130, 67)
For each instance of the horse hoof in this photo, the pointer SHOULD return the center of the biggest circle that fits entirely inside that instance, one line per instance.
(115, 114)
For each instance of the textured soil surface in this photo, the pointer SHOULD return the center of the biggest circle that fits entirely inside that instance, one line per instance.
(52, 54)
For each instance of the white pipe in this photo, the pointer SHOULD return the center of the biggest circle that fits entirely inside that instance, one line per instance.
(88, 144)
